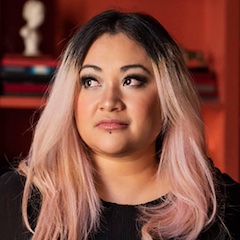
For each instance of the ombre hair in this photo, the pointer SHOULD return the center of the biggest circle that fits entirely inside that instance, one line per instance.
(60, 168)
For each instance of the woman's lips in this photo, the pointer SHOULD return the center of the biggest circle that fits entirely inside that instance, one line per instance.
(112, 124)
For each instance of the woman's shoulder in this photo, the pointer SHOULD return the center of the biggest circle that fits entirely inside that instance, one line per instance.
(230, 189)
(231, 185)
(226, 223)
(11, 182)
(231, 194)
(11, 192)
(10, 176)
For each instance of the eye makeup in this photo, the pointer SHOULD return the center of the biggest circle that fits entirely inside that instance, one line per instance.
(135, 80)
(88, 81)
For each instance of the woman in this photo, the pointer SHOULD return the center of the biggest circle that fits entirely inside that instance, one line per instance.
(119, 150)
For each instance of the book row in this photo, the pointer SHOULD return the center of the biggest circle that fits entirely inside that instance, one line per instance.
(32, 76)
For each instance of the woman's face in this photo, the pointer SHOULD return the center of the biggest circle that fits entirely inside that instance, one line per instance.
(118, 110)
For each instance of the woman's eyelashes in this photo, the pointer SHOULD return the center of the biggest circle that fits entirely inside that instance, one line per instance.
(89, 82)
(132, 80)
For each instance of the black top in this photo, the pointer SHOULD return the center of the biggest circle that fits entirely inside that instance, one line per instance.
(118, 222)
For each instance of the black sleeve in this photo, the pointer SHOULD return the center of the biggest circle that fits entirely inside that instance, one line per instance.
(227, 222)
(11, 223)
(232, 210)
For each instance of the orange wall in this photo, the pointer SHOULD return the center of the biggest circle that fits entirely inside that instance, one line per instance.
(183, 19)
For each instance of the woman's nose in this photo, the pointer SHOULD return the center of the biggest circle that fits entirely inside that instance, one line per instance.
(111, 100)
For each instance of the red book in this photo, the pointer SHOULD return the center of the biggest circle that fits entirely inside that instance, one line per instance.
(24, 88)
(22, 61)
(206, 84)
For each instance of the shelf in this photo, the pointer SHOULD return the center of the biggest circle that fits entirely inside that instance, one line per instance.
(21, 102)
(30, 102)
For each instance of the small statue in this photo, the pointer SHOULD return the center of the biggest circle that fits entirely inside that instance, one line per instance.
(33, 13)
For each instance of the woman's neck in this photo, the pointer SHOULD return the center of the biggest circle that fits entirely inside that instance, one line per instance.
(128, 181)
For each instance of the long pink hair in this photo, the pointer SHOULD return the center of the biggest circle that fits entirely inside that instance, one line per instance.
(58, 164)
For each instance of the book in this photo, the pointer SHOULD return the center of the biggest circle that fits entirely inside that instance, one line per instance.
(205, 82)
(25, 77)
(23, 66)
(31, 70)
(21, 75)
(19, 69)
(24, 89)
(21, 61)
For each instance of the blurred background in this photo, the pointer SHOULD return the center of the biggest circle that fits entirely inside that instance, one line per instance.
(206, 28)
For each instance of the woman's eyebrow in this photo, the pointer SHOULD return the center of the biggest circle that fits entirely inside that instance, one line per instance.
(127, 67)
(91, 66)
(123, 68)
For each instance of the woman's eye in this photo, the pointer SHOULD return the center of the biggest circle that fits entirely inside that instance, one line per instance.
(134, 81)
(89, 82)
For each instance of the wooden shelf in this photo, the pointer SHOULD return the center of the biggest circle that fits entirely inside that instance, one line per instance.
(21, 102)
(30, 102)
